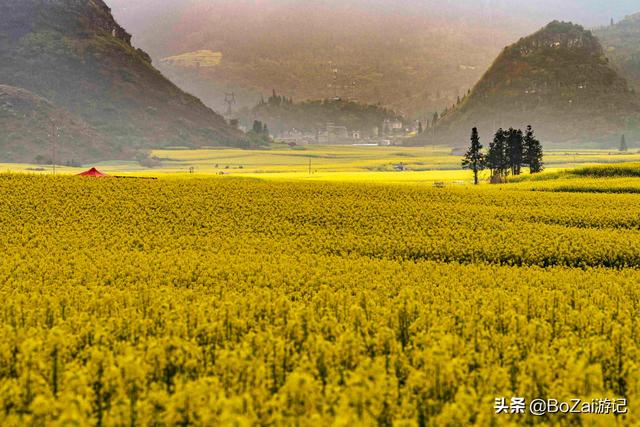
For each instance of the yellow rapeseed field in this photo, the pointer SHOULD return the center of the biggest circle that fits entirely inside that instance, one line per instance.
(326, 163)
(222, 301)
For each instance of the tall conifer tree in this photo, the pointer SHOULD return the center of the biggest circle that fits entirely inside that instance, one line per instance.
(533, 156)
(474, 158)
(497, 158)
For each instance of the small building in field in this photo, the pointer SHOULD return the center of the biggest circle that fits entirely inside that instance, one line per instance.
(93, 173)
(458, 151)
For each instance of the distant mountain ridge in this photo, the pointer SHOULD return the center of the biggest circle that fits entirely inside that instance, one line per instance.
(558, 80)
(75, 55)
(622, 44)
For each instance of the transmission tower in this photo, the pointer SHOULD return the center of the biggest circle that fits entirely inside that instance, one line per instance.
(230, 99)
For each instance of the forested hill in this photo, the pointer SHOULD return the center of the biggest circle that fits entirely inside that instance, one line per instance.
(558, 80)
(282, 114)
(622, 44)
(74, 55)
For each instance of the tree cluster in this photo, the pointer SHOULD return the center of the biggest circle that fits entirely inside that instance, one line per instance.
(260, 130)
(285, 115)
(508, 153)
(276, 100)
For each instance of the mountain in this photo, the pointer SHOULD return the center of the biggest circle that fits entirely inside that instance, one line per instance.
(558, 80)
(78, 60)
(622, 44)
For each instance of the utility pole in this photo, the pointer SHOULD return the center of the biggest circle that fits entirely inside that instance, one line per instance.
(309, 165)
(330, 84)
(54, 137)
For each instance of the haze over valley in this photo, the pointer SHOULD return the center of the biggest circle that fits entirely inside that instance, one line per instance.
(124, 78)
(412, 56)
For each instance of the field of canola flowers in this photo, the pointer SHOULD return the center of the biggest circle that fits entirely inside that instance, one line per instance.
(239, 302)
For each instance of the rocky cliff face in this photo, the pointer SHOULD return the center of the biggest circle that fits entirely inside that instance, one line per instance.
(74, 54)
(100, 18)
(81, 18)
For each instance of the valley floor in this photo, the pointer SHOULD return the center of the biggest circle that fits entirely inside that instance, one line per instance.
(326, 163)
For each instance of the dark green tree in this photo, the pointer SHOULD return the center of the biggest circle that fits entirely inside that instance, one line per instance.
(533, 155)
(275, 100)
(259, 132)
(420, 129)
(497, 159)
(623, 144)
(515, 150)
(474, 158)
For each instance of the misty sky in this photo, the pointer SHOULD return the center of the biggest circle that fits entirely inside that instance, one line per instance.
(531, 12)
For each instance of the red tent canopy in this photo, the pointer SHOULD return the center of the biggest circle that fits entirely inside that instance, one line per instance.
(94, 173)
